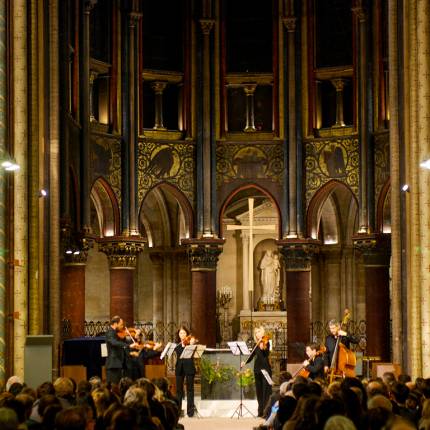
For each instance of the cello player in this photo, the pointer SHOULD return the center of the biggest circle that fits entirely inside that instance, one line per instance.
(330, 342)
(315, 362)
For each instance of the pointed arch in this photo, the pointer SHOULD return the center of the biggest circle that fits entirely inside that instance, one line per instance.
(317, 202)
(107, 208)
(247, 187)
(162, 193)
(382, 201)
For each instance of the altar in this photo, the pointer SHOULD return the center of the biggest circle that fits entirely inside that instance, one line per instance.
(222, 378)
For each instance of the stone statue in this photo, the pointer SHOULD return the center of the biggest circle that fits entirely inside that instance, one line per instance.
(270, 275)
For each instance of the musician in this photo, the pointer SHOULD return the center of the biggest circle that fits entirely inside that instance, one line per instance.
(185, 369)
(315, 362)
(261, 352)
(117, 350)
(330, 342)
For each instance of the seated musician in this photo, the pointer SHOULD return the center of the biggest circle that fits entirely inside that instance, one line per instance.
(330, 341)
(315, 363)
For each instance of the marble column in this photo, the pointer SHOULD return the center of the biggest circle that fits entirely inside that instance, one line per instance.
(204, 257)
(122, 255)
(250, 120)
(297, 258)
(73, 292)
(158, 87)
(375, 251)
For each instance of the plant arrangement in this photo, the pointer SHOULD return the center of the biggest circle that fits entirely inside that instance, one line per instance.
(245, 378)
(215, 372)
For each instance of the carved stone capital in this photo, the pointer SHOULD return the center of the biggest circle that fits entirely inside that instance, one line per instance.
(339, 84)
(290, 23)
(203, 253)
(374, 248)
(298, 254)
(158, 86)
(75, 245)
(206, 25)
(122, 252)
(250, 89)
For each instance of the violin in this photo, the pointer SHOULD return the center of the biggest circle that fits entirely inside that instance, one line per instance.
(187, 340)
(265, 340)
(124, 332)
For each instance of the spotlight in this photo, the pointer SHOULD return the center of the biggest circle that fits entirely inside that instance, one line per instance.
(405, 188)
(10, 165)
(43, 193)
(69, 251)
(77, 252)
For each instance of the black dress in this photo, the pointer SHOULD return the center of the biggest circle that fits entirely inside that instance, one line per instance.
(262, 387)
(185, 369)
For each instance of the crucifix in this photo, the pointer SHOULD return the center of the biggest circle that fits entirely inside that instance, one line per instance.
(251, 229)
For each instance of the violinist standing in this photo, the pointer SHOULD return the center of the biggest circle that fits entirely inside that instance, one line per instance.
(185, 369)
(261, 352)
(315, 363)
(330, 342)
(117, 350)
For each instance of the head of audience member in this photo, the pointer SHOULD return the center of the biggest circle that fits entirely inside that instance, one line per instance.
(15, 388)
(117, 323)
(8, 419)
(71, 419)
(102, 400)
(328, 407)
(46, 401)
(50, 415)
(339, 422)
(388, 378)
(377, 418)
(13, 380)
(376, 387)
(136, 397)
(304, 415)
(399, 393)
(27, 401)
(95, 381)
(84, 387)
(123, 385)
(287, 406)
(18, 407)
(379, 401)
(334, 389)
(358, 388)
(44, 389)
(299, 390)
(404, 378)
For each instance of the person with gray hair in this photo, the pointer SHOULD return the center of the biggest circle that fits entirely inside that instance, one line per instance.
(339, 422)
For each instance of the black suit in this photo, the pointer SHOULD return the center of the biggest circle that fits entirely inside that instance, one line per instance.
(330, 344)
(316, 367)
(116, 350)
(185, 369)
(262, 387)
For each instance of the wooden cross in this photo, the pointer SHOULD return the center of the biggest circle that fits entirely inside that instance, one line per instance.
(250, 228)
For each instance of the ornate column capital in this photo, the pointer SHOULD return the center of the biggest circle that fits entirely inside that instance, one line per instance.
(290, 23)
(250, 88)
(339, 83)
(203, 253)
(360, 13)
(122, 252)
(75, 246)
(158, 86)
(298, 253)
(374, 248)
(206, 25)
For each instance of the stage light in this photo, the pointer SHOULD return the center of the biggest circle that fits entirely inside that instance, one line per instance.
(405, 188)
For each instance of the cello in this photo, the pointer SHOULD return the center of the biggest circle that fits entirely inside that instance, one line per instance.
(344, 360)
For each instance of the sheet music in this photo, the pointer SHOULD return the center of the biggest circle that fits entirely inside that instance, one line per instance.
(239, 347)
(103, 350)
(199, 351)
(168, 350)
(267, 377)
(188, 351)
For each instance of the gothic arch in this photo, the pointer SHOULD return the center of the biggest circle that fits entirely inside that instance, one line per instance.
(383, 200)
(161, 197)
(107, 209)
(247, 187)
(325, 201)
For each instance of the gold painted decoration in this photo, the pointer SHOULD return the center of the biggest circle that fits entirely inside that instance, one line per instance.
(166, 162)
(331, 159)
(259, 161)
(106, 161)
(382, 162)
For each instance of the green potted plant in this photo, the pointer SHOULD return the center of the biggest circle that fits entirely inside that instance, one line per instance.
(245, 380)
(216, 379)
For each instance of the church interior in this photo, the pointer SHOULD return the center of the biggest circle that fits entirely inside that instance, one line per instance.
(216, 164)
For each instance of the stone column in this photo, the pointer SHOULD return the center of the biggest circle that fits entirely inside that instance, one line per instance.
(290, 25)
(245, 270)
(73, 292)
(376, 260)
(206, 27)
(157, 286)
(204, 257)
(339, 84)
(298, 257)
(249, 93)
(159, 88)
(122, 255)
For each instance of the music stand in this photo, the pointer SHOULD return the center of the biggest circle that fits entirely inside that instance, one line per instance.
(168, 350)
(240, 348)
(193, 351)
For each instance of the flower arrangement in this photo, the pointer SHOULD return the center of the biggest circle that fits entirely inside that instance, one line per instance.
(245, 378)
(215, 372)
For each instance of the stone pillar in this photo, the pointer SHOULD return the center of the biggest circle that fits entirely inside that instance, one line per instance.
(290, 25)
(204, 257)
(339, 84)
(297, 258)
(206, 27)
(376, 260)
(159, 88)
(158, 287)
(73, 292)
(122, 255)
(250, 120)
